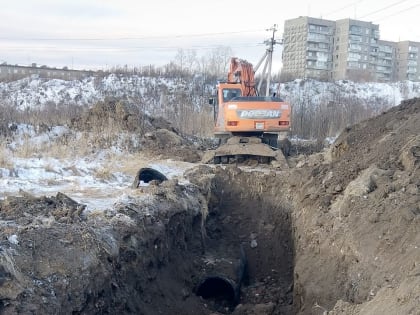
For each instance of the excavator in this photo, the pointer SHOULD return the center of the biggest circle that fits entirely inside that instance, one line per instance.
(249, 126)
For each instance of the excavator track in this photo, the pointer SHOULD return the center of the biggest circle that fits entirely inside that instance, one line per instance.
(242, 150)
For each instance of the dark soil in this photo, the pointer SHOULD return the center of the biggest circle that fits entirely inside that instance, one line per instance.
(338, 233)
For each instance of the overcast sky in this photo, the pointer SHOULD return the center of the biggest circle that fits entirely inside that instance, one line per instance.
(98, 34)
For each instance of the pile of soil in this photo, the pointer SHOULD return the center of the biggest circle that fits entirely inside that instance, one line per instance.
(356, 220)
(156, 135)
(136, 258)
(338, 233)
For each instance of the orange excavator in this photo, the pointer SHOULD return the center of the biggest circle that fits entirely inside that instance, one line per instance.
(249, 126)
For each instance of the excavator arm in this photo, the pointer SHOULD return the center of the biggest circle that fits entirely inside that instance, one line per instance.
(241, 71)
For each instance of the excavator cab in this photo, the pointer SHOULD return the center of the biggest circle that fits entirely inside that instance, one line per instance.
(229, 94)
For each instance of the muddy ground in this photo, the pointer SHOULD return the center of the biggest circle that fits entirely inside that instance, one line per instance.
(336, 233)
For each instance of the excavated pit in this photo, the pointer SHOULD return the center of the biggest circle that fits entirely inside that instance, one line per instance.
(219, 245)
(248, 259)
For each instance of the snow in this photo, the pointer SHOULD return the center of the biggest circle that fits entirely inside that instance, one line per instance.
(315, 92)
(79, 177)
(35, 92)
(13, 239)
(76, 178)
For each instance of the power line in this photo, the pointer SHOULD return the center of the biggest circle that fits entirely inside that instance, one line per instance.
(134, 38)
(123, 49)
(342, 8)
(384, 8)
(396, 13)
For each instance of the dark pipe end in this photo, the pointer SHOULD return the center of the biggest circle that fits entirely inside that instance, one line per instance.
(219, 289)
(148, 174)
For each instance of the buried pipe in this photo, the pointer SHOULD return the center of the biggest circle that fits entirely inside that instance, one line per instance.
(222, 281)
(147, 175)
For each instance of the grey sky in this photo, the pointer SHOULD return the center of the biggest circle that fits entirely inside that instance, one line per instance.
(95, 34)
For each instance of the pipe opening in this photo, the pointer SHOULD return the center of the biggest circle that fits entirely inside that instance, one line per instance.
(147, 175)
(218, 289)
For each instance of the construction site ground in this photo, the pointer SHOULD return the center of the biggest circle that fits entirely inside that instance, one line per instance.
(334, 232)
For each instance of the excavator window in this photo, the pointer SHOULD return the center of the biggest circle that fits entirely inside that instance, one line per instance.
(228, 94)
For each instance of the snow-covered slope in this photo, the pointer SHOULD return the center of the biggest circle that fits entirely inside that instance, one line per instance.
(154, 91)
(371, 94)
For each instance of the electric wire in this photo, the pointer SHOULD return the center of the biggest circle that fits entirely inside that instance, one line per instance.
(396, 13)
(342, 8)
(132, 38)
(382, 9)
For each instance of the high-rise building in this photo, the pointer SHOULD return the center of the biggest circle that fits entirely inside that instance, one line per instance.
(307, 48)
(345, 49)
(355, 50)
(408, 61)
(385, 62)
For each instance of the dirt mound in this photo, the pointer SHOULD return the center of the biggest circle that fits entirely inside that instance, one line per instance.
(169, 144)
(136, 258)
(156, 135)
(358, 220)
(109, 113)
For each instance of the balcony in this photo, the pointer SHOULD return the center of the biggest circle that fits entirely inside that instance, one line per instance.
(317, 48)
(355, 47)
(383, 70)
(385, 49)
(320, 29)
(354, 30)
(413, 49)
(319, 67)
(318, 38)
(355, 39)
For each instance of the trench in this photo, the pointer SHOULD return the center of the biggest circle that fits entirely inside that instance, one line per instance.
(249, 237)
(245, 255)
(235, 256)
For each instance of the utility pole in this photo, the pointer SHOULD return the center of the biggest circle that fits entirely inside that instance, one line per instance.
(268, 57)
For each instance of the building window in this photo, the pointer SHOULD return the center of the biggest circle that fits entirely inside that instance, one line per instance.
(413, 49)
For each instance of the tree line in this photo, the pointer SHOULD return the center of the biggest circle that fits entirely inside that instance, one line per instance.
(184, 102)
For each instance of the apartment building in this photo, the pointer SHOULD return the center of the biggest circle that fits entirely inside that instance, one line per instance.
(385, 61)
(345, 49)
(355, 50)
(307, 48)
(408, 61)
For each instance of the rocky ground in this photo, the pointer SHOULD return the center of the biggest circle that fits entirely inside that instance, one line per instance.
(336, 233)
